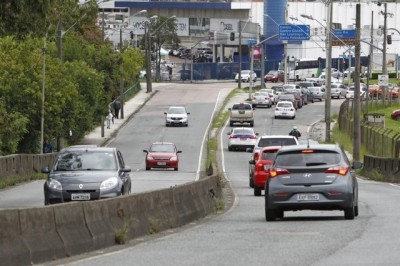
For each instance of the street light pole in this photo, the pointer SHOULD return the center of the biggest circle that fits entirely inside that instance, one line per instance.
(356, 102)
(384, 66)
(240, 55)
(328, 73)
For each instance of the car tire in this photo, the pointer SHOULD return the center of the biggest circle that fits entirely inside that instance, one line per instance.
(231, 124)
(349, 213)
(147, 168)
(276, 117)
(251, 182)
(293, 117)
(230, 148)
(252, 124)
(355, 210)
(257, 191)
(270, 215)
(176, 168)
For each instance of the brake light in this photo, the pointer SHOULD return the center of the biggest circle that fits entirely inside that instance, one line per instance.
(259, 167)
(256, 156)
(340, 170)
(233, 136)
(277, 109)
(292, 109)
(253, 137)
(274, 172)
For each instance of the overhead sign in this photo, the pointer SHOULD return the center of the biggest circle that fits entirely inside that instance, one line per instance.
(344, 37)
(251, 42)
(290, 32)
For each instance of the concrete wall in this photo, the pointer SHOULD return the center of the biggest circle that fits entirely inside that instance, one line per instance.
(37, 235)
(24, 164)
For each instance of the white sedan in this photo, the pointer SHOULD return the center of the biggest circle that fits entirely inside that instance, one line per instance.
(261, 99)
(285, 109)
(246, 76)
(242, 138)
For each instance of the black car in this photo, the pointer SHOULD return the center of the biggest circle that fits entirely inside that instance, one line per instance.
(86, 172)
(311, 177)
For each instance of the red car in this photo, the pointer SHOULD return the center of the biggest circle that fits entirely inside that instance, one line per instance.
(274, 76)
(396, 115)
(162, 155)
(261, 167)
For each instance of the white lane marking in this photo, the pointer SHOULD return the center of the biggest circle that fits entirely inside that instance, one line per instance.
(205, 136)
(222, 151)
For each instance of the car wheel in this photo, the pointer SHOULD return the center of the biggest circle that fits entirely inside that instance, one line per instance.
(276, 117)
(279, 214)
(349, 213)
(251, 182)
(355, 210)
(176, 168)
(230, 148)
(252, 124)
(147, 168)
(270, 215)
(166, 125)
(257, 191)
(294, 117)
(231, 124)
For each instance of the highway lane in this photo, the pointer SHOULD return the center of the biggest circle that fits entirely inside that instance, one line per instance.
(148, 126)
(241, 236)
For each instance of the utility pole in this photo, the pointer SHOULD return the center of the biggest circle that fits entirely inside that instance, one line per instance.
(384, 66)
(369, 61)
(328, 73)
(148, 56)
(240, 55)
(356, 100)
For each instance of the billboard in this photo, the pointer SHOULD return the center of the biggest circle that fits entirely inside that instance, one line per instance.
(376, 62)
(136, 24)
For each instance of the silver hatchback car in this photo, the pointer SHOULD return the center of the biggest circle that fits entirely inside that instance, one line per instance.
(311, 177)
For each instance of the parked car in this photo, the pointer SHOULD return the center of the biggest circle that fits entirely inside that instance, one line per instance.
(261, 99)
(318, 93)
(86, 172)
(285, 109)
(274, 76)
(162, 155)
(267, 141)
(241, 138)
(261, 167)
(176, 116)
(395, 115)
(246, 76)
(338, 90)
(311, 177)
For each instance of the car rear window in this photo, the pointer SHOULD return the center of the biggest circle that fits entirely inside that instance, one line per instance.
(284, 105)
(269, 155)
(241, 107)
(243, 131)
(266, 142)
(314, 158)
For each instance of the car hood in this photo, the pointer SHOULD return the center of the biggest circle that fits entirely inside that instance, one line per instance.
(92, 179)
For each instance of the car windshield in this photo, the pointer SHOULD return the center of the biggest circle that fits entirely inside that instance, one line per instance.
(162, 148)
(273, 72)
(86, 160)
(266, 142)
(245, 72)
(314, 158)
(176, 110)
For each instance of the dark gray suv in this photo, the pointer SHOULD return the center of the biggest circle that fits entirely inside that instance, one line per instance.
(86, 172)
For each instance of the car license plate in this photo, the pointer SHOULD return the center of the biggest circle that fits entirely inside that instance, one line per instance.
(243, 138)
(80, 196)
(307, 197)
(161, 163)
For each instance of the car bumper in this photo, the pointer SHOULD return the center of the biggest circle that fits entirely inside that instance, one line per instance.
(259, 179)
(284, 114)
(171, 122)
(54, 196)
(161, 164)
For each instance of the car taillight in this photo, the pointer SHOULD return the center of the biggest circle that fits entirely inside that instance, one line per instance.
(256, 156)
(253, 137)
(233, 136)
(340, 170)
(277, 109)
(259, 167)
(274, 172)
(253, 97)
(291, 109)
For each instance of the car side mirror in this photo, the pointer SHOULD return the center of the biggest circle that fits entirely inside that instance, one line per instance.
(357, 165)
(179, 152)
(165, 113)
(188, 113)
(145, 151)
(249, 150)
(257, 134)
(45, 170)
(228, 133)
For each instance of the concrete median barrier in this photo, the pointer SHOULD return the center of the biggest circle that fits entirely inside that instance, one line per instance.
(30, 236)
(36, 223)
(71, 226)
(13, 250)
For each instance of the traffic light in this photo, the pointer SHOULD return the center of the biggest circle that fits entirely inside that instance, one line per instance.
(232, 36)
(389, 39)
(131, 34)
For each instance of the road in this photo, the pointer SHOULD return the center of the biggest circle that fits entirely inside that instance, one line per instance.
(241, 236)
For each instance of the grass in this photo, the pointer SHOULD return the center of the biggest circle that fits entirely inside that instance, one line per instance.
(12, 181)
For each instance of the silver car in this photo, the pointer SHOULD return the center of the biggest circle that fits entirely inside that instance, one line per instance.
(318, 93)
(311, 177)
(261, 99)
(338, 90)
(176, 116)
(242, 138)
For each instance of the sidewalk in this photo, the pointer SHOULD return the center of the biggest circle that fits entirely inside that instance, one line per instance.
(130, 108)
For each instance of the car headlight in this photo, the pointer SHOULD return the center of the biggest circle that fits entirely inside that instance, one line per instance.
(173, 158)
(109, 183)
(54, 184)
(150, 158)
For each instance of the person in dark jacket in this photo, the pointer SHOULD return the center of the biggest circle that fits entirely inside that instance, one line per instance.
(295, 133)
(116, 107)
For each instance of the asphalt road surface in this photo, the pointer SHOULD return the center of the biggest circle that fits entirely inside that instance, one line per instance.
(241, 236)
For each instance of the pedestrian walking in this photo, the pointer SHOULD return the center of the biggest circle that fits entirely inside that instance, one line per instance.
(109, 118)
(116, 106)
(170, 73)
